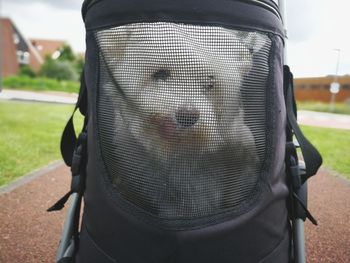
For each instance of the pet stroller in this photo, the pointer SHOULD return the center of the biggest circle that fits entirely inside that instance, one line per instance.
(186, 153)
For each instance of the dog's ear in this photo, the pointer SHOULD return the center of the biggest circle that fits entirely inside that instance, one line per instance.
(252, 40)
(115, 43)
(252, 43)
(122, 43)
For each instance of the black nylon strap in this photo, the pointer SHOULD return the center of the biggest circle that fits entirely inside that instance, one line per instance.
(60, 203)
(78, 172)
(74, 153)
(69, 143)
(307, 212)
(69, 138)
(312, 157)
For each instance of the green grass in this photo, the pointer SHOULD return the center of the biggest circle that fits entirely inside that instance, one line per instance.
(334, 146)
(340, 108)
(29, 136)
(40, 84)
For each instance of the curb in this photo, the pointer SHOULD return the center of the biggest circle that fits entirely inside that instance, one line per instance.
(35, 96)
(30, 177)
(335, 174)
(37, 101)
(324, 119)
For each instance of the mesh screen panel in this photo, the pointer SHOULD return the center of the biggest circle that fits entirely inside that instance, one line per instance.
(182, 117)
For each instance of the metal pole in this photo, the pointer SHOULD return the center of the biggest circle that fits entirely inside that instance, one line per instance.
(283, 11)
(297, 224)
(335, 80)
(1, 51)
(299, 241)
(67, 233)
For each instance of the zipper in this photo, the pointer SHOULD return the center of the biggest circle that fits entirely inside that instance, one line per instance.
(269, 5)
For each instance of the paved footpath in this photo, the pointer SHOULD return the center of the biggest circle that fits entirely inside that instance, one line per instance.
(29, 234)
(42, 96)
(321, 119)
(329, 203)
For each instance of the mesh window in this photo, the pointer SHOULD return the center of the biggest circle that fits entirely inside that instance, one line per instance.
(181, 116)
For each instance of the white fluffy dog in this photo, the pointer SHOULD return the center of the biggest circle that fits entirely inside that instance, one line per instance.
(179, 96)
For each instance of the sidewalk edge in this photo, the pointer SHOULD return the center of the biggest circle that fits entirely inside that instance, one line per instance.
(30, 177)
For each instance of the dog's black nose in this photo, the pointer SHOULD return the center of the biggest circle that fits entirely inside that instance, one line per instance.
(187, 117)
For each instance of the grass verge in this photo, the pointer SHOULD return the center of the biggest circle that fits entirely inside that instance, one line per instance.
(40, 84)
(340, 108)
(30, 136)
(334, 146)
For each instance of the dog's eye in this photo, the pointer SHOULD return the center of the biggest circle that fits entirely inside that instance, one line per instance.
(209, 83)
(162, 74)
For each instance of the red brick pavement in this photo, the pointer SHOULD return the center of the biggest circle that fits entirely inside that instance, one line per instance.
(329, 202)
(29, 234)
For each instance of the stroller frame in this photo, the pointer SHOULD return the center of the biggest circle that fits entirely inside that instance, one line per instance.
(298, 222)
(298, 188)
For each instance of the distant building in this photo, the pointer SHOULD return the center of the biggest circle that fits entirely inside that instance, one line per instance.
(16, 50)
(47, 47)
(317, 89)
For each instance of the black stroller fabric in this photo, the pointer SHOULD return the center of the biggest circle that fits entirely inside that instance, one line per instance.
(181, 116)
(186, 133)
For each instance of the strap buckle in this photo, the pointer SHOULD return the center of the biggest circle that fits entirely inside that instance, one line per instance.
(78, 165)
(296, 172)
(78, 172)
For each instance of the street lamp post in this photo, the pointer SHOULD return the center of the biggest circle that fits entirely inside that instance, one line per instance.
(1, 51)
(297, 223)
(335, 86)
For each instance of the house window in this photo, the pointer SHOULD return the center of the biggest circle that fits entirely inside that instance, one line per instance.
(56, 54)
(345, 86)
(15, 38)
(300, 86)
(23, 57)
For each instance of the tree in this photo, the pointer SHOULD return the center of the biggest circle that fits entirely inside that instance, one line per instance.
(66, 54)
(25, 70)
(67, 66)
(58, 69)
(79, 64)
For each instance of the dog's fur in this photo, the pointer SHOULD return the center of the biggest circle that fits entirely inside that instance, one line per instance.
(179, 101)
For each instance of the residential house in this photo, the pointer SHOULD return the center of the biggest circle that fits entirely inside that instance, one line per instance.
(47, 47)
(16, 50)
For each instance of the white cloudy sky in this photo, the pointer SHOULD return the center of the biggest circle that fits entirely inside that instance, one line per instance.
(316, 28)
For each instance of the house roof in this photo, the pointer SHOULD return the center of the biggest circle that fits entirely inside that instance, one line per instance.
(47, 47)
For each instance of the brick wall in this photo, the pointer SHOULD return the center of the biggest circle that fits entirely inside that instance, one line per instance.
(317, 89)
(8, 55)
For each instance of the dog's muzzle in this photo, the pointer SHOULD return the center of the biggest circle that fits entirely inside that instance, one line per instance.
(187, 117)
